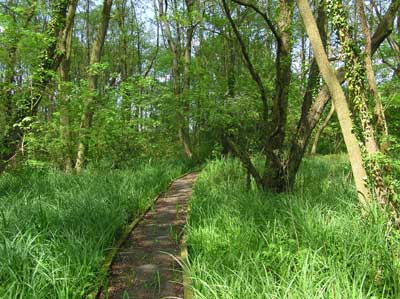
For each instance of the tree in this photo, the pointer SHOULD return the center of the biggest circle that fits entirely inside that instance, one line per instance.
(93, 73)
(373, 89)
(65, 45)
(339, 101)
(181, 90)
(321, 129)
(50, 60)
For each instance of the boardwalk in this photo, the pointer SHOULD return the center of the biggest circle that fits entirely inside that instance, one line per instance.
(145, 266)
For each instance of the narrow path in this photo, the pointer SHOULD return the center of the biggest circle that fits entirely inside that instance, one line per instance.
(145, 266)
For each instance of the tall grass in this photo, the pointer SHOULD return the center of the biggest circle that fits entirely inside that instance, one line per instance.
(55, 228)
(310, 244)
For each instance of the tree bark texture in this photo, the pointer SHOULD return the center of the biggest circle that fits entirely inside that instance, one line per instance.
(339, 100)
(89, 106)
(64, 70)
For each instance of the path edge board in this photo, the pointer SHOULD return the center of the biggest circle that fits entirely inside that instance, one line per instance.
(187, 280)
(104, 268)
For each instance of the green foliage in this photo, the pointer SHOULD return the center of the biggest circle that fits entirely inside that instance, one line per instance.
(97, 68)
(55, 228)
(391, 101)
(309, 244)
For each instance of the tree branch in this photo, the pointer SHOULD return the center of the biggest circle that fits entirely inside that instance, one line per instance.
(246, 161)
(385, 27)
(254, 74)
(264, 16)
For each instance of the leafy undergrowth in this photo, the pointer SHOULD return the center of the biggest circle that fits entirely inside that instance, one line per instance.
(55, 228)
(311, 244)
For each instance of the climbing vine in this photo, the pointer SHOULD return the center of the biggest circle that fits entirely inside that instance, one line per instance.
(355, 75)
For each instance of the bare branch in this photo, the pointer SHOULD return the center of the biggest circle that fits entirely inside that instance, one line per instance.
(263, 14)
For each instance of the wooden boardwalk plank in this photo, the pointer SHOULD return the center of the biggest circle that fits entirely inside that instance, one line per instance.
(145, 267)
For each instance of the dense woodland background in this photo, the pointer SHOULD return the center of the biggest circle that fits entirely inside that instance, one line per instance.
(89, 83)
(110, 85)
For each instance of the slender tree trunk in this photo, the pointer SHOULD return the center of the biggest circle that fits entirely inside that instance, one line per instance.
(339, 100)
(185, 132)
(373, 89)
(321, 129)
(126, 112)
(95, 58)
(65, 45)
(303, 60)
(231, 82)
(7, 90)
(241, 154)
(123, 38)
(87, 21)
(178, 89)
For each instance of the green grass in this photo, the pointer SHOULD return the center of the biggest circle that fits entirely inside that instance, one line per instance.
(55, 228)
(310, 244)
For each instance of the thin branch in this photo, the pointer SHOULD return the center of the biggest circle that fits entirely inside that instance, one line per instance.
(255, 76)
(157, 42)
(264, 15)
(246, 161)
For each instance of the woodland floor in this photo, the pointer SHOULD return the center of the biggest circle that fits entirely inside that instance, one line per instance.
(146, 265)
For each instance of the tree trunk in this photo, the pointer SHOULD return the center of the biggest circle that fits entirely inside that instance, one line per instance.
(357, 93)
(175, 48)
(274, 176)
(88, 110)
(307, 124)
(230, 92)
(126, 101)
(185, 135)
(87, 23)
(7, 90)
(65, 46)
(339, 100)
(321, 129)
(373, 89)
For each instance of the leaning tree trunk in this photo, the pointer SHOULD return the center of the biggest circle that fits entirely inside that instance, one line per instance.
(355, 73)
(307, 124)
(95, 57)
(240, 153)
(321, 129)
(339, 100)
